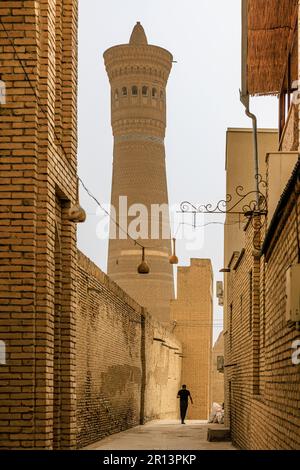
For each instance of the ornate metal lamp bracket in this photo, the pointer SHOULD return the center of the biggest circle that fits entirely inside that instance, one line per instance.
(251, 204)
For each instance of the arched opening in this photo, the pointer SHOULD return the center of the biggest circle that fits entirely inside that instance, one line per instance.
(154, 93)
(124, 91)
(134, 90)
(145, 91)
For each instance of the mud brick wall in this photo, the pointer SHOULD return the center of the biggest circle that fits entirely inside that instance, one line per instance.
(125, 376)
(163, 371)
(217, 378)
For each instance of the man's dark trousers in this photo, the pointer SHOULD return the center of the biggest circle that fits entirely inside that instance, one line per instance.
(183, 409)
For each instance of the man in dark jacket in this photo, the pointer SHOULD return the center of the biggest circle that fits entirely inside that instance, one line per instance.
(184, 395)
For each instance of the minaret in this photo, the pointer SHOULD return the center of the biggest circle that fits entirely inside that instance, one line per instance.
(138, 75)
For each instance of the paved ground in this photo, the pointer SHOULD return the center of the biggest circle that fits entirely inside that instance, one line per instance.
(162, 435)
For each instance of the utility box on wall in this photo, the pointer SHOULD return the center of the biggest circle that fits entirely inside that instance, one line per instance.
(220, 292)
(220, 363)
(293, 293)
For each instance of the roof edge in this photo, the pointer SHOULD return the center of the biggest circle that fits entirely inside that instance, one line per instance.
(283, 201)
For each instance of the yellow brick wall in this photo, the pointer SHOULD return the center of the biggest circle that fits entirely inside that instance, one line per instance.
(128, 365)
(192, 312)
(38, 260)
(262, 384)
(217, 378)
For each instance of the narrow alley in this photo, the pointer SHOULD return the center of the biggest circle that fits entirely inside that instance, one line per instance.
(163, 435)
(149, 230)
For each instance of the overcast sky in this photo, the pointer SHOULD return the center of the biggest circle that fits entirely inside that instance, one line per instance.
(202, 102)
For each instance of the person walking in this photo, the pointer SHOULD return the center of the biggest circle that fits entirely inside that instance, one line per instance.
(184, 395)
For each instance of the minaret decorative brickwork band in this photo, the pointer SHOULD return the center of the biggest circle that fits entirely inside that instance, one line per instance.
(138, 74)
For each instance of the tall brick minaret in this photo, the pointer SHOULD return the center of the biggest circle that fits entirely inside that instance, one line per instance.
(138, 74)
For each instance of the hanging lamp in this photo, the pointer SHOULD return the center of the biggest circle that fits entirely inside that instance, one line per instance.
(173, 258)
(76, 213)
(143, 268)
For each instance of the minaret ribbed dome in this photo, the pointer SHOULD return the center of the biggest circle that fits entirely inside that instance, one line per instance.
(138, 36)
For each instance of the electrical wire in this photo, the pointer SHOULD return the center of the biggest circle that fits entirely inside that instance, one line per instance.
(205, 225)
(57, 137)
(108, 214)
(59, 143)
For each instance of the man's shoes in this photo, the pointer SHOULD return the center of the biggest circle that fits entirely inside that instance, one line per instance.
(182, 422)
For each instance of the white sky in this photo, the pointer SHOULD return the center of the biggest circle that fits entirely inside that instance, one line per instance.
(202, 102)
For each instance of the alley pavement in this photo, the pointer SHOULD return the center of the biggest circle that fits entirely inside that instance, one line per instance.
(162, 435)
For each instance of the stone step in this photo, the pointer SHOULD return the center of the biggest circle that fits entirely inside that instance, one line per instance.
(218, 434)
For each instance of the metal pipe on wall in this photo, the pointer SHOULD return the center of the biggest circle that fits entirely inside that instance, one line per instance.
(244, 95)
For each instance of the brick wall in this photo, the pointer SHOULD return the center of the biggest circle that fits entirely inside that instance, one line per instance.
(290, 137)
(217, 378)
(262, 384)
(163, 371)
(128, 364)
(193, 316)
(37, 243)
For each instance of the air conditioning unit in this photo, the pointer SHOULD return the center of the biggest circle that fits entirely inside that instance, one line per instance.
(220, 292)
(293, 294)
(219, 289)
(220, 363)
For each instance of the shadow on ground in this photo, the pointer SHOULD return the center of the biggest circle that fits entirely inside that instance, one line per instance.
(163, 435)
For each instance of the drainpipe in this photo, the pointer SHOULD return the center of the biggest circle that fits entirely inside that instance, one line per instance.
(245, 102)
(244, 95)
